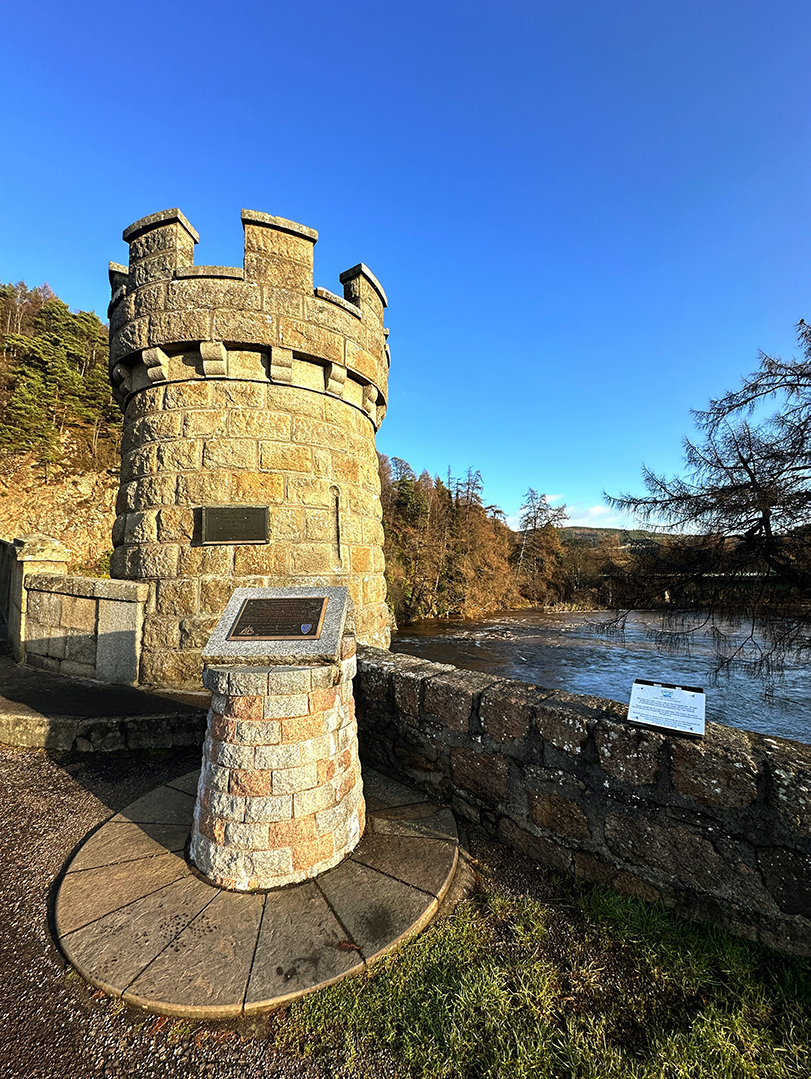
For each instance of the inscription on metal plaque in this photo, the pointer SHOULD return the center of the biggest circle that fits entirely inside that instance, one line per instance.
(291, 619)
(235, 524)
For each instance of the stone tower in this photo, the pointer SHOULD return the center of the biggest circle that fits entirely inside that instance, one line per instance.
(244, 387)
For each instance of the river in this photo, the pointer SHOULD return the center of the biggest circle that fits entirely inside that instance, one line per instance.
(568, 651)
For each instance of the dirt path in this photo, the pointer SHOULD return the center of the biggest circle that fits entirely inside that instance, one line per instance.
(52, 1024)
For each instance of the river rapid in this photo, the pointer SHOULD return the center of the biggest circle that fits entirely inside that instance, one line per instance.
(568, 651)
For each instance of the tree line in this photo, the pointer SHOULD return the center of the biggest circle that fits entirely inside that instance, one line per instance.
(53, 381)
(450, 554)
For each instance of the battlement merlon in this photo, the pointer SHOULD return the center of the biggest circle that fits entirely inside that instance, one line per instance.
(159, 244)
(163, 301)
(363, 289)
(281, 224)
(118, 275)
(160, 220)
(164, 241)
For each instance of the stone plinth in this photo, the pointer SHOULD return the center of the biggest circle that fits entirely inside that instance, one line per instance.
(280, 797)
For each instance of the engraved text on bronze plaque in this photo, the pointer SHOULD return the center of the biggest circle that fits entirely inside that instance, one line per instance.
(235, 524)
(297, 618)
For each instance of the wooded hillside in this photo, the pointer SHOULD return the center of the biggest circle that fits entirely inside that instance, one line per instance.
(53, 382)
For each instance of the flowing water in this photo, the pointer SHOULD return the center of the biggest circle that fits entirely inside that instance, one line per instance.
(568, 651)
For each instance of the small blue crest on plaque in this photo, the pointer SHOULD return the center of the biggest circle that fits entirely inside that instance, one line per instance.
(306, 627)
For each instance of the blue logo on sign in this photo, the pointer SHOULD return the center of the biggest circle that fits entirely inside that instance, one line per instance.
(306, 627)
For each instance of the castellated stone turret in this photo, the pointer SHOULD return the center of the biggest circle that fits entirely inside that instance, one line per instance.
(244, 387)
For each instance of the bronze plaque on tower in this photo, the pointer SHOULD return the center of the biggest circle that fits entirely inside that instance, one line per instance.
(234, 524)
(293, 618)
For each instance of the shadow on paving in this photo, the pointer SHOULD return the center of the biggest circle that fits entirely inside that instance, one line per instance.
(39, 709)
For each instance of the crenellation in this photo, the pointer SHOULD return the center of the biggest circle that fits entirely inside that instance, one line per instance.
(363, 289)
(339, 301)
(159, 221)
(118, 275)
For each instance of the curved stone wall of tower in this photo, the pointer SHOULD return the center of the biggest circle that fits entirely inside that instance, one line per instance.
(244, 387)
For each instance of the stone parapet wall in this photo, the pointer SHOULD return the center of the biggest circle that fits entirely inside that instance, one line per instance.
(717, 829)
(84, 627)
(163, 301)
(280, 797)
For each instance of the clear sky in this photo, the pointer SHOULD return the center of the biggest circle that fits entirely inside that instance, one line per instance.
(588, 215)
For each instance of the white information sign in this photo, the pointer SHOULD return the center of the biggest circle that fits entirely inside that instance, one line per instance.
(659, 704)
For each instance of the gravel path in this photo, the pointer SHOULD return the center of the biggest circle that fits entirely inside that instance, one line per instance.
(53, 1024)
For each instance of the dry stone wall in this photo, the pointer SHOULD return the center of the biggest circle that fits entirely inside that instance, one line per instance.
(717, 829)
(244, 386)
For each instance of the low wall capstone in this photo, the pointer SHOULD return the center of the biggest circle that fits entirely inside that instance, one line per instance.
(717, 829)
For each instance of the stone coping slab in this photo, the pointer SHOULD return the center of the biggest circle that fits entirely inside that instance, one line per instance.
(139, 923)
(89, 587)
(219, 651)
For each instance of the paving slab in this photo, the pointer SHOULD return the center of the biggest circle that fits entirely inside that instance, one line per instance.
(424, 819)
(187, 783)
(138, 922)
(112, 951)
(383, 792)
(205, 970)
(126, 841)
(89, 894)
(164, 805)
(377, 911)
(419, 862)
(301, 946)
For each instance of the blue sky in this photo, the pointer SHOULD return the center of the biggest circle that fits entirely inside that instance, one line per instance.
(588, 215)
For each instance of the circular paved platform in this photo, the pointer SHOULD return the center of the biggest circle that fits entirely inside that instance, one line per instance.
(136, 921)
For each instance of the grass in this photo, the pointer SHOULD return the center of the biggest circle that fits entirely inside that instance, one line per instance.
(592, 986)
(542, 977)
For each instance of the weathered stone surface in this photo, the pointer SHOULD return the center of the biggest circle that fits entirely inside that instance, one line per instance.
(506, 710)
(557, 814)
(483, 774)
(719, 770)
(563, 724)
(787, 876)
(677, 850)
(630, 754)
(599, 871)
(536, 847)
(788, 769)
(452, 696)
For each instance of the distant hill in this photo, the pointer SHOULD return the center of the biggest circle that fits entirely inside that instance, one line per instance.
(581, 536)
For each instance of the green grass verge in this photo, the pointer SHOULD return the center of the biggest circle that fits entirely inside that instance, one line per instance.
(596, 987)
